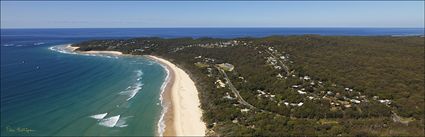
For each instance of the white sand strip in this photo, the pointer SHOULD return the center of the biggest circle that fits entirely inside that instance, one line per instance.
(71, 48)
(185, 103)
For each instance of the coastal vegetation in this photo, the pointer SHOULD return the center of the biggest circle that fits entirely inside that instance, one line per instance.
(306, 85)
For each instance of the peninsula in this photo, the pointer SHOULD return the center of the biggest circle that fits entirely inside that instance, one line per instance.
(305, 85)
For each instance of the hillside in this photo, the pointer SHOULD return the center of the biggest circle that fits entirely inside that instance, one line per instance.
(298, 85)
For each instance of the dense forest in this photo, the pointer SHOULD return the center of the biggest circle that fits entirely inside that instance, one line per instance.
(306, 85)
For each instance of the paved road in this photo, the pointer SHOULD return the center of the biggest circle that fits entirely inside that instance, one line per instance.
(234, 90)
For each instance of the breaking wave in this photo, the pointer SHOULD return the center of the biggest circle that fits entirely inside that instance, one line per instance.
(62, 49)
(122, 122)
(99, 116)
(66, 50)
(131, 91)
(8, 45)
(161, 122)
(24, 44)
(110, 122)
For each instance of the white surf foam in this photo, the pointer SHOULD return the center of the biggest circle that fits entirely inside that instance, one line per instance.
(8, 45)
(99, 116)
(161, 122)
(109, 122)
(139, 73)
(150, 63)
(122, 122)
(63, 49)
(99, 55)
(38, 43)
(132, 91)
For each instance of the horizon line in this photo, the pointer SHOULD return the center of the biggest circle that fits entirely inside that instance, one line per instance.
(206, 27)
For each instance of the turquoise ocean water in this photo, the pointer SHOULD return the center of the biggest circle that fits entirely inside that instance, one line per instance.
(46, 91)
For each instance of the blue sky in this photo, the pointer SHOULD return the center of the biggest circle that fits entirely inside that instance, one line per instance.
(100, 14)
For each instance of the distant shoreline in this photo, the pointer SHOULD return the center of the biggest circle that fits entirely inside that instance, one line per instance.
(181, 102)
(93, 52)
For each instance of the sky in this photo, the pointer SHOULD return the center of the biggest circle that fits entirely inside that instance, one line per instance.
(166, 14)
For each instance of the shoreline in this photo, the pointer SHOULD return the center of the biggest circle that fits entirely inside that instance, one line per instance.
(73, 49)
(166, 102)
(181, 115)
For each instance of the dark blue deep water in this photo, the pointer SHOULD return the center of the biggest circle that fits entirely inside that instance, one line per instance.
(46, 92)
(205, 32)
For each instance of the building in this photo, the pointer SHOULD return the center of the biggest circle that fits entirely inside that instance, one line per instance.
(226, 66)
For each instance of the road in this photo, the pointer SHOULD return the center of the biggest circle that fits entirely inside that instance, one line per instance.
(283, 64)
(234, 90)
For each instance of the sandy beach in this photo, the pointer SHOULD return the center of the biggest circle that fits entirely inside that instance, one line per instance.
(102, 52)
(71, 48)
(183, 117)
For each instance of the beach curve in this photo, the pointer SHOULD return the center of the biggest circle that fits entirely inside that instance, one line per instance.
(183, 117)
(182, 112)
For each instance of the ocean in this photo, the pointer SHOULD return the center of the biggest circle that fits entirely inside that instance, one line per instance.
(46, 90)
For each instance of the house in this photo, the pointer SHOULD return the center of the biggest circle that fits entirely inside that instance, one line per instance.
(226, 66)
(261, 92)
(244, 110)
(235, 120)
(270, 49)
(228, 96)
(297, 104)
(300, 104)
(271, 60)
(385, 101)
(355, 101)
(301, 92)
(141, 50)
(279, 76)
(220, 84)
